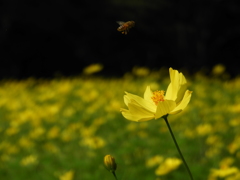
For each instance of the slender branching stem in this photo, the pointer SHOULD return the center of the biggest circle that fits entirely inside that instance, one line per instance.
(176, 144)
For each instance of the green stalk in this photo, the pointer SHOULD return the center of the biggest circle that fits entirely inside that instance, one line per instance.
(176, 144)
(114, 175)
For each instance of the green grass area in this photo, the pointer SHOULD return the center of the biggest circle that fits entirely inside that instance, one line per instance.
(62, 129)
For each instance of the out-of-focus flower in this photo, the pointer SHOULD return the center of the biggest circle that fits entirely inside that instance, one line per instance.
(204, 129)
(235, 145)
(37, 132)
(167, 166)
(141, 71)
(50, 147)
(93, 68)
(12, 130)
(235, 176)
(157, 104)
(93, 142)
(67, 176)
(226, 162)
(218, 69)
(53, 132)
(110, 163)
(6, 146)
(225, 169)
(224, 172)
(154, 161)
(29, 160)
(26, 142)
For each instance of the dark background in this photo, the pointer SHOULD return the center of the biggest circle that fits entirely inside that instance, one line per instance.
(45, 38)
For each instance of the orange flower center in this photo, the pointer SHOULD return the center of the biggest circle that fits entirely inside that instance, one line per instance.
(158, 96)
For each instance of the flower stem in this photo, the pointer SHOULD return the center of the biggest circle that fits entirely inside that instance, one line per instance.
(176, 144)
(115, 175)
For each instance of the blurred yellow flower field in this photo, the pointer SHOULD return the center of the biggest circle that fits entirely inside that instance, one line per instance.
(62, 128)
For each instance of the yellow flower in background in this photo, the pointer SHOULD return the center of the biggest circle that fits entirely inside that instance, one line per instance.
(167, 166)
(156, 104)
(141, 71)
(29, 160)
(67, 175)
(53, 132)
(93, 68)
(218, 69)
(222, 173)
(93, 142)
(154, 161)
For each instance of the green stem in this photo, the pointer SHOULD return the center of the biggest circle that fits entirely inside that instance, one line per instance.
(176, 144)
(114, 175)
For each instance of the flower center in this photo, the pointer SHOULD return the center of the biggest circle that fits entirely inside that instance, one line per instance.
(158, 96)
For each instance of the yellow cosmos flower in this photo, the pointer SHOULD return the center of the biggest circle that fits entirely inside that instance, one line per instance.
(157, 104)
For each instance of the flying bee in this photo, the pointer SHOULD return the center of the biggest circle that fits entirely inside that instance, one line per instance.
(125, 26)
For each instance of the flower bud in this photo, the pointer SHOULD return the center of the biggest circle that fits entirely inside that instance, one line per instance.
(110, 163)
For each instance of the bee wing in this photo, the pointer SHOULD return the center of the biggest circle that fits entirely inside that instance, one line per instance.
(120, 22)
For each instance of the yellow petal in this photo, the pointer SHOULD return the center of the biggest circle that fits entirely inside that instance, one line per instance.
(182, 88)
(126, 99)
(148, 94)
(174, 75)
(141, 102)
(182, 79)
(172, 90)
(138, 116)
(169, 92)
(176, 111)
(164, 107)
(135, 109)
(177, 87)
(183, 104)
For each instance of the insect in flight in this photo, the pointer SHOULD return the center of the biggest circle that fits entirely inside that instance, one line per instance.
(125, 26)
